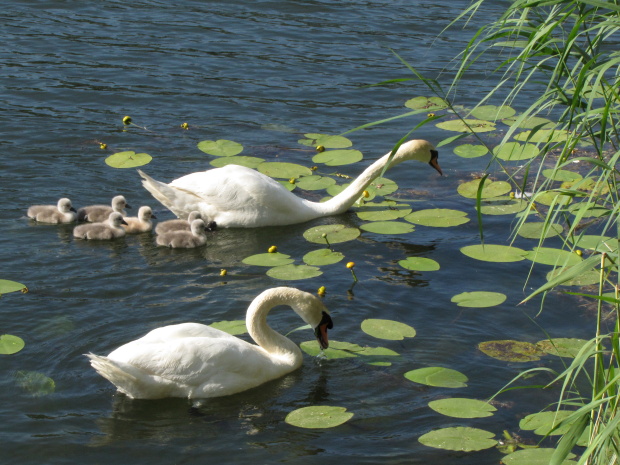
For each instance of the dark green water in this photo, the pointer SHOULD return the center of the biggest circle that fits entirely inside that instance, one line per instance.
(261, 73)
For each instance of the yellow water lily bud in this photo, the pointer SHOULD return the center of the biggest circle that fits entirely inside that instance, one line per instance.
(24, 290)
(272, 249)
(320, 148)
(321, 290)
(292, 180)
(314, 168)
(127, 120)
(103, 146)
(366, 194)
(223, 272)
(350, 265)
(185, 126)
(512, 195)
(579, 252)
(430, 115)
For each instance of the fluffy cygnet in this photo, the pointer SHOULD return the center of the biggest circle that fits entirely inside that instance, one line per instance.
(62, 212)
(109, 229)
(141, 223)
(100, 213)
(196, 237)
(176, 225)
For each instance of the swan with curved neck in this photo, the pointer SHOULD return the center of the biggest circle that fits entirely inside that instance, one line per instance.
(197, 361)
(238, 197)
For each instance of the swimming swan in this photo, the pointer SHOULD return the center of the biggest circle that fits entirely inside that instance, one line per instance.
(237, 197)
(195, 237)
(109, 229)
(141, 223)
(196, 361)
(62, 212)
(100, 213)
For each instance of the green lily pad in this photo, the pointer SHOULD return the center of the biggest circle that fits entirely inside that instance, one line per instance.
(128, 159)
(268, 259)
(514, 151)
(387, 329)
(426, 103)
(277, 169)
(504, 205)
(327, 141)
(530, 123)
(538, 456)
(234, 327)
(478, 299)
(315, 183)
(490, 189)
(553, 197)
(318, 416)
(561, 346)
(10, 344)
(552, 256)
(35, 383)
(391, 213)
(248, 162)
(388, 227)
(288, 185)
(338, 157)
(322, 257)
(492, 112)
(598, 243)
(438, 217)
(382, 186)
(334, 233)
(561, 175)
(7, 286)
(470, 150)
(588, 210)
(583, 279)
(494, 253)
(419, 264)
(438, 377)
(459, 407)
(511, 351)
(338, 349)
(543, 422)
(459, 438)
(543, 135)
(537, 229)
(294, 272)
(220, 148)
(467, 125)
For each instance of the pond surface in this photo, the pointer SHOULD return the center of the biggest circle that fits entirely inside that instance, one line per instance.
(261, 73)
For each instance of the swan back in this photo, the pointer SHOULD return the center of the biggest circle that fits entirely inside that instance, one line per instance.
(141, 223)
(62, 212)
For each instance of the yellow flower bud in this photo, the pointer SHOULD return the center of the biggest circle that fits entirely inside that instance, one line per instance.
(321, 290)
(272, 249)
(185, 126)
(223, 272)
(127, 120)
(350, 265)
(103, 146)
(320, 148)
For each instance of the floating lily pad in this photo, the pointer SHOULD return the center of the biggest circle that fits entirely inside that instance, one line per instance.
(10, 344)
(553, 198)
(322, 257)
(327, 141)
(438, 217)
(338, 157)
(335, 233)
(504, 205)
(478, 299)
(315, 183)
(562, 347)
(459, 407)
(561, 175)
(7, 286)
(294, 272)
(388, 227)
(387, 329)
(128, 159)
(248, 162)
(490, 189)
(35, 383)
(552, 256)
(426, 103)
(494, 253)
(419, 264)
(318, 416)
(234, 327)
(388, 214)
(530, 123)
(337, 349)
(543, 422)
(538, 456)
(543, 135)
(467, 125)
(514, 151)
(492, 112)
(588, 210)
(537, 229)
(470, 150)
(583, 279)
(459, 438)
(598, 243)
(288, 185)
(268, 259)
(438, 377)
(511, 351)
(277, 169)
(382, 186)
(220, 148)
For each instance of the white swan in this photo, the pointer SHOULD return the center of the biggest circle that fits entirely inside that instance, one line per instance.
(237, 197)
(62, 212)
(177, 225)
(141, 223)
(195, 361)
(109, 229)
(100, 213)
(195, 237)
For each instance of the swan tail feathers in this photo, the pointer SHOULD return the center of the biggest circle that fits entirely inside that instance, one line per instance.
(162, 192)
(116, 373)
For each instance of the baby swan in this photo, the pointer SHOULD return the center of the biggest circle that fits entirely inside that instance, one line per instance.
(109, 229)
(100, 213)
(192, 360)
(62, 212)
(195, 237)
(178, 224)
(141, 223)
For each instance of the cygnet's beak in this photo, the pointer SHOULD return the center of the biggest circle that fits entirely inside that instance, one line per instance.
(154, 217)
(321, 331)
(127, 205)
(123, 221)
(435, 161)
(73, 209)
